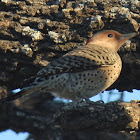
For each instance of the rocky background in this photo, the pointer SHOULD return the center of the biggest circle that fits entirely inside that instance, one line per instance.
(35, 32)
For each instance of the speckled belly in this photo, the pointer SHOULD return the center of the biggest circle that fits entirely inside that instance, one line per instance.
(88, 83)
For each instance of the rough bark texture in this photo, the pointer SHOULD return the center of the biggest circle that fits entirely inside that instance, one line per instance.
(93, 120)
(33, 33)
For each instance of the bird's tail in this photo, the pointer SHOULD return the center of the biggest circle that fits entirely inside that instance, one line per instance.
(17, 95)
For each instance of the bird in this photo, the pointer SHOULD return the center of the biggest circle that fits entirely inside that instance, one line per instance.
(82, 72)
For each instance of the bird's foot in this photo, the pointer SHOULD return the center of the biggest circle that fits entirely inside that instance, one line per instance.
(100, 101)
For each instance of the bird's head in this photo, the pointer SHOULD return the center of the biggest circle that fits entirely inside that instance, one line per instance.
(110, 39)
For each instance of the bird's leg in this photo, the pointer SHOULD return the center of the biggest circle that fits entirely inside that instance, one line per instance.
(86, 98)
(77, 100)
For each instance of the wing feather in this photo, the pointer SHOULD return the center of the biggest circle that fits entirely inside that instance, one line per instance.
(87, 57)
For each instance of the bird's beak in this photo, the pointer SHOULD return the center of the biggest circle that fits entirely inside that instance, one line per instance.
(128, 36)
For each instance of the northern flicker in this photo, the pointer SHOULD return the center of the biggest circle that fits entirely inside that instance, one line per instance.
(83, 72)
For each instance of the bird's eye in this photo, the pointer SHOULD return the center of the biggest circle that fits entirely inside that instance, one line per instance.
(110, 35)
